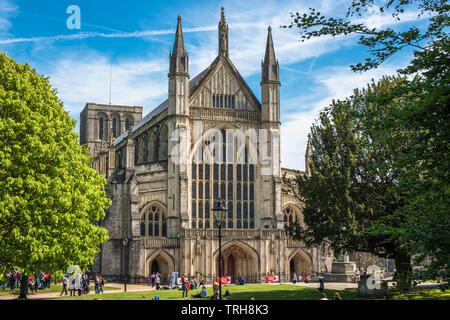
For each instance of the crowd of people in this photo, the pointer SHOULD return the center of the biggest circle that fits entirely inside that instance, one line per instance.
(81, 284)
(78, 284)
(189, 283)
(306, 278)
(35, 282)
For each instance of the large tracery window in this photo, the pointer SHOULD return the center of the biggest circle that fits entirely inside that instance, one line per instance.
(224, 173)
(291, 215)
(154, 222)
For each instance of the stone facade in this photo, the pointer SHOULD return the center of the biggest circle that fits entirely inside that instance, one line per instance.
(201, 145)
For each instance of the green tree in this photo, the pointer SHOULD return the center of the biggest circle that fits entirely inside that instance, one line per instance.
(349, 196)
(417, 120)
(50, 199)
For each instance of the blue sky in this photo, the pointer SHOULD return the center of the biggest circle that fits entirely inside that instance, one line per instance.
(132, 39)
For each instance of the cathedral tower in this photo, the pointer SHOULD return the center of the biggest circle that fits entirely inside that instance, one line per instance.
(270, 83)
(270, 117)
(178, 128)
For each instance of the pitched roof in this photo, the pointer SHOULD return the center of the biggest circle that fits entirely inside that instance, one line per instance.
(155, 112)
(194, 84)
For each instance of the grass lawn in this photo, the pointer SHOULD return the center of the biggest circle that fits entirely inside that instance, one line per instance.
(256, 291)
(421, 294)
(265, 292)
(53, 288)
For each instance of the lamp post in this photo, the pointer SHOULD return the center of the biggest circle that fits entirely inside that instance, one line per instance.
(220, 212)
(124, 243)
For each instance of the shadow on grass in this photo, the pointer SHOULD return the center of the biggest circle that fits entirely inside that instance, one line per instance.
(301, 294)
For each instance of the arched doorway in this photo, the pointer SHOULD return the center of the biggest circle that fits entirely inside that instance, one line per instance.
(300, 263)
(238, 260)
(230, 266)
(154, 268)
(292, 267)
(160, 262)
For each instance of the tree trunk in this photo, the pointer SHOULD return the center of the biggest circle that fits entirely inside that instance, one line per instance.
(23, 287)
(404, 270)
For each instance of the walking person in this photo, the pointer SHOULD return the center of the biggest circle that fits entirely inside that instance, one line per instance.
(35, 284)
(157, 281)
(202, 280)
(16, 278)
(294, 278)
(96, 283)
(64, 283)
(86, 287)
(6, 282)
(357, 275)
(46, 280)
(184, 285)
(41, 279)
(12, 281)
(30, 283)
(102, 283)
(153, 279)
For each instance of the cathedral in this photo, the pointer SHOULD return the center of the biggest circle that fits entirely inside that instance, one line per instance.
(211, 140)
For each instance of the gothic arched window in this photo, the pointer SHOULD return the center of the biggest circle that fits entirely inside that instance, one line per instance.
(163, 144)
(100, 128)
(114, 128)
(155, 219)
(291, 214)
(223, 154)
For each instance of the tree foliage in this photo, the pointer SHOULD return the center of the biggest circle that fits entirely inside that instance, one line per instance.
(409, 139)
(349, 197)
(383, 43)
(50, 199)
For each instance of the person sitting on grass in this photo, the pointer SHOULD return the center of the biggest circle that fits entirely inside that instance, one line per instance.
(201, 294)
(227, 293)
(307, 278)
(215, 296)
(324, 296)
(321, 286)
(241, 281)
(337, 296)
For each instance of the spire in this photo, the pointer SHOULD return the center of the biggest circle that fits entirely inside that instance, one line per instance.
(223, 35)
(179, 57)
(270, 64)
(308, 155)
(222, 17)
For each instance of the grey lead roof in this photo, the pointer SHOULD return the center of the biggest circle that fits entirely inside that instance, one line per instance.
(158, 110)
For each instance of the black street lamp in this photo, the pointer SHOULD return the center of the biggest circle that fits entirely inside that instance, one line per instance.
(220, 212)
(124, 243)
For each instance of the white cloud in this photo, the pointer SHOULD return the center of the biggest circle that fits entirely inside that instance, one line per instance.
(336, 84)
(8, 10)
(86, 35)
(143, 81)
(87, 79)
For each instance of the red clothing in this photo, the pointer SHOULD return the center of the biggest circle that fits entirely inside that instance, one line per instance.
(183, 280)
